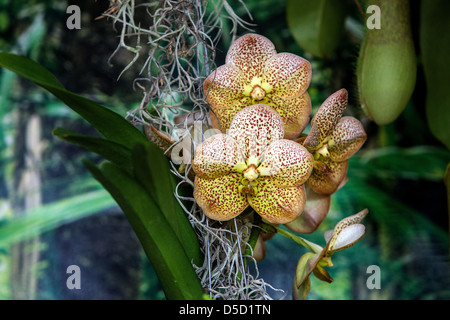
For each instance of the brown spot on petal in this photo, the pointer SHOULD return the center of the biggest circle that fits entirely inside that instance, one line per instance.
(249, 53)
(216, 156)
(275, 204)
(295, 113)
(343, 224)
(288, 162)
(288, 74)
(224, 85)
(220, 198)
(326, 118)
(254, 128)
(347, 137)
(221, 118)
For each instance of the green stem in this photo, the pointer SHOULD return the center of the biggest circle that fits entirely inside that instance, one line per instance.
(301, 241)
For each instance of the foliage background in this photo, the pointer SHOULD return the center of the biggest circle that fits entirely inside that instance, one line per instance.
(67, 218)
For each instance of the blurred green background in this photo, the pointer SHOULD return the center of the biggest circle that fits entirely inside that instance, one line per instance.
(53, 214)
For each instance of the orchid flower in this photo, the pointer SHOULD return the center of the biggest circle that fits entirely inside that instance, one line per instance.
(255, 73)
(333, 139)
(345, 234)
(252, 165)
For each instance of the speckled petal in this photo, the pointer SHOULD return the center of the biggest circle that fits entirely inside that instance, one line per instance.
(216, 156)
(326, 118)
(288, 162)
(346, 233)
(224, 86)
(295, 113)
(249, 53)
(275, 204)
(327, 176)
(221, 118)
(288, 74)
(315, 211)
(220, 198)
(347, 137)
(254, 128)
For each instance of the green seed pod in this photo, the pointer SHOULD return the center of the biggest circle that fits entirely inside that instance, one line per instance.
(435, 48)
(386, 70)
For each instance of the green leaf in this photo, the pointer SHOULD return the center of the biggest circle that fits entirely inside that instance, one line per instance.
(421, 162)
(109, 124)
(46, 217)
(317, 25)
(110, 150)
(160, 243)
(152, 170)
(434, 23)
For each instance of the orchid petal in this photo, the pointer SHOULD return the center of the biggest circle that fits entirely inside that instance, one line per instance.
(224, 86)
(327, 175)
(295, 113)
(322, 274)
(259, 251)
(301, 292)
(353, 234)
(326, 118)
(220, 198)
(221, 118)
(249, 53)
(347, 137)
(254, 128)
(288, 75)
(348, 237)
(217, 156)
(305, 266)
(277, 205)
(288, 162)
(315, 211)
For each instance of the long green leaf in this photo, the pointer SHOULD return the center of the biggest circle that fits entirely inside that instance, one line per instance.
(172, 266)
(49, 216)
(108, 123)
(112, 151)
(152, 170)
(421, 162)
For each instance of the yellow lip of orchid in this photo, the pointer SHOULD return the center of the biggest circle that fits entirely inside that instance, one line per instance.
(255, 73)
(252, 165)
(333, 139)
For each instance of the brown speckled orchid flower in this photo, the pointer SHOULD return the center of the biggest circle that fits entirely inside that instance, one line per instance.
(252, 165)
(333, 139)
(254, 73)
(345, 234)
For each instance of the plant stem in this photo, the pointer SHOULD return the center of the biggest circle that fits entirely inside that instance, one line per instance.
(299, 240)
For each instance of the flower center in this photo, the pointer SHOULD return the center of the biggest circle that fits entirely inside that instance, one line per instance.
(248, 183)
(258, 89)
(258, 93)
(248, 187)
(251, 173)
(323, 149)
